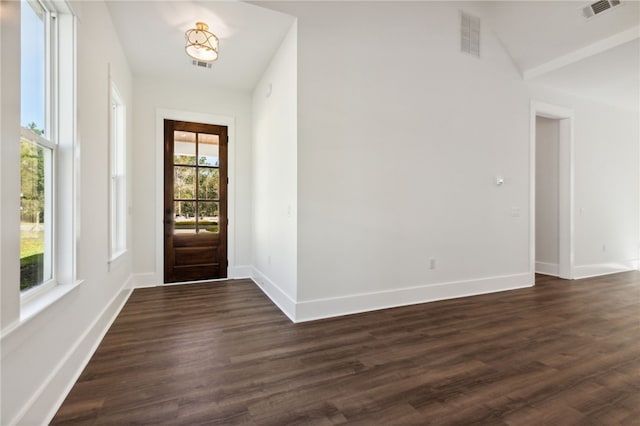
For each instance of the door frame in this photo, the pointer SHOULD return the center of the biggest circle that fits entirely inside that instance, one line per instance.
(194, 117)
(565, 186)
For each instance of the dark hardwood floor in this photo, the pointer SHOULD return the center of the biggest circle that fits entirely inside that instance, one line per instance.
(559, 353)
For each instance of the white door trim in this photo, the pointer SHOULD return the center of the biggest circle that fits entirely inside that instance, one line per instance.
(565, 181)
(194, 117)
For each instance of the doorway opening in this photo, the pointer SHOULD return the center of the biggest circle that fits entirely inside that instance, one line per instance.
(551, 228)
(547, 186)
(195, 201)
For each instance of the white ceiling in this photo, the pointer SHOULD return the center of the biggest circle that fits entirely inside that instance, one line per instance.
(537, 32)
(611, 77)
(152, 34)
(534, 33)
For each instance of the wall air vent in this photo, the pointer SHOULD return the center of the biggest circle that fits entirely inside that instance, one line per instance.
(599, 7)
(201, 64)
(469, 34)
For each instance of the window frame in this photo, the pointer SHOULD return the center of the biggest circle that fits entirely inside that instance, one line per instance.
(60, 136)
(118, 205)
(49, 214)
(49, 142)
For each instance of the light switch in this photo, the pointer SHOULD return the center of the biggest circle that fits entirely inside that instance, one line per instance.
(499, 180)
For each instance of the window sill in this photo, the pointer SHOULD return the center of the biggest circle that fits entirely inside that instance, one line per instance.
(34, 306)
(43, 301)
(116, 259)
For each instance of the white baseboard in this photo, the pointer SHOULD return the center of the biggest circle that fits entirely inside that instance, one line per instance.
(48, 398)
(545, 268)
(596, 270)
(310, 310)
(151, 279)
(275, 293)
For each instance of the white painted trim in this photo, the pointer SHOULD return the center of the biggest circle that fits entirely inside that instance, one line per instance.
(68, 159)
(596, 270)
(117, 260)
(580, 54)
(31, 308)
(195, 117)
(47, 399)
(150, 279)
(194, 282)
(310, 310)
(117, 119)
(281, 299)
(565, 182)
(34, 306)
(565, 197)
(547, 269)
(37, 292)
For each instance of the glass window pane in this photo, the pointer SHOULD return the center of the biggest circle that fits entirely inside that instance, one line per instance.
(118, 177)
(208, 184)
(184, 182)
(208, 150)
(118, 132)
(185, 220)
(208, 217)
(32, 67)
(118, 216)
(184, 148)
(35, 214)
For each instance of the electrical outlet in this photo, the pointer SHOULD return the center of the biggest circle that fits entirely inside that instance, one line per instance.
(432, 263)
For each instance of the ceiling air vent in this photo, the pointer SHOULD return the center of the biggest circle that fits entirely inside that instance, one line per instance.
(201, 64)
(599, 7)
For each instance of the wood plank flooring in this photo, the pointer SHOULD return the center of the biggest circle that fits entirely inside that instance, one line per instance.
(559, 353)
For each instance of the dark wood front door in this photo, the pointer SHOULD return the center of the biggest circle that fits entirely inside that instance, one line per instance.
(195, 201)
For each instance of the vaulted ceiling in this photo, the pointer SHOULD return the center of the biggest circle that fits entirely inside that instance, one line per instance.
(537, 32)
(612, 76)
(542, 37)
(554, 45)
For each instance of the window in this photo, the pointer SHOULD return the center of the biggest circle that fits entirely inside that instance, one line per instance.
(37, 147)
(47, 147)
(118, 162)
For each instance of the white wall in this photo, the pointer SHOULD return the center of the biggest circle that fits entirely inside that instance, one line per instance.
(149, 96)
(275, 141)
(43, 355)
(400, 138)
(606, 183)
(547, 185)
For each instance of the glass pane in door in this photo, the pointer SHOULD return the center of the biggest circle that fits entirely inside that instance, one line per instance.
(184, 148)
(208, 217)
(208, 183)
(184, 182)
(208, 153)
(184, 217)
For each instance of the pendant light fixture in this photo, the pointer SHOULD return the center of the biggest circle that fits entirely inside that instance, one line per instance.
(201, 44)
